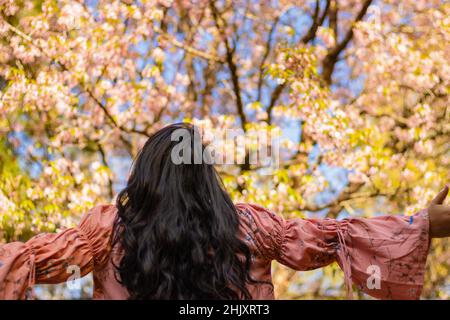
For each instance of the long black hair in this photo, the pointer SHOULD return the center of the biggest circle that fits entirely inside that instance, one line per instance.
(178, 228)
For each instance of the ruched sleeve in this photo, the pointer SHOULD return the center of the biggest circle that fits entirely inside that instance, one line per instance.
(52, 257)
(383, 256)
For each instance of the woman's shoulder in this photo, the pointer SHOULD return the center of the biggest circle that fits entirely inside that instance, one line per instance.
(261, 227)
(252, 211)
(97, 226)
(99, 217)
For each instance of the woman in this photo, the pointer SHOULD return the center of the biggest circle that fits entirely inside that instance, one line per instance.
(174, 233)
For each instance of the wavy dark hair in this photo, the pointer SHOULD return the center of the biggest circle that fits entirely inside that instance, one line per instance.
(178, 228)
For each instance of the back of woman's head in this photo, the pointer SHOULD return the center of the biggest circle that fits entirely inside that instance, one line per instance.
(177, 227)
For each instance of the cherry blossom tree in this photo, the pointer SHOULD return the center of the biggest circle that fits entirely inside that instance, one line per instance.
(358, 90)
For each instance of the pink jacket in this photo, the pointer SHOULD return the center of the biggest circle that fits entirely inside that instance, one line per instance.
(394, 247)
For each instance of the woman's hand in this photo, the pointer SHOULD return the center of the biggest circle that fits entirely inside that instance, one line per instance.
(439, 215)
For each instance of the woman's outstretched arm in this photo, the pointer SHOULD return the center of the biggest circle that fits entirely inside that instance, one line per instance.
(439, 214)
(384, 256)
(54, 257)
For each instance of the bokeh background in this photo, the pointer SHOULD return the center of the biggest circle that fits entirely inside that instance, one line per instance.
(358, 90)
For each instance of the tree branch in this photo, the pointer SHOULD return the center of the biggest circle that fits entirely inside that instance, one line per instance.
(309, 36)
(220, 25)
(330, 59)
(105, 163)
(266, 55)
(317, 22)
(336, 205)
(187, 48)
